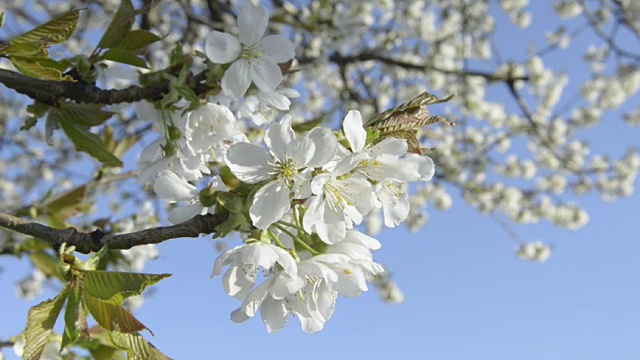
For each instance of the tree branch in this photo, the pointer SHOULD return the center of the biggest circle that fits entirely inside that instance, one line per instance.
(95, 240)
(366, 56)
(50, 91)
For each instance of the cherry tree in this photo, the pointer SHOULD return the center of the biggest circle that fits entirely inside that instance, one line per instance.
(295, 131)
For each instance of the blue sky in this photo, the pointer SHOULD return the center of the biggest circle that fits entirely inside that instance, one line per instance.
(467, 296)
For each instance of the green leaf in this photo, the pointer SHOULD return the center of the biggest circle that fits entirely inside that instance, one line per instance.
(45, 35)
(120, 25)
(37, 110)
(46, 263)
(63, 206)
(125, 57)
(75, 318)
(137, 39)
(84, 140)
(97, 258)
(233, 203)
(61, 65)
(85, 114)
(26, 49)
(35, 69)
(1, 19)
(40, 321)
(107, 353)
(309, 125)
(125, 144)
(233, 223)
(66, 199)
(136, 346)
(112, 317)
(100, 346)
(113, 287)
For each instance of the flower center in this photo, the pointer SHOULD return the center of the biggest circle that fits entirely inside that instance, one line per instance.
(287, 170)
(337, 195)
(251, 52)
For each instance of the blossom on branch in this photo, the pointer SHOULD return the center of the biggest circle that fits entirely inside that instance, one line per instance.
(253, 58)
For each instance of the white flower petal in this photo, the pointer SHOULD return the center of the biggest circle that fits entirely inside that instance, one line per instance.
(274, 315)
(277, 48)
(252, 302)
(354, 131)
(326, 301)
(184, 213)
(326, 146)
(213, 119)
(349, 163)
(275, 99)
(171, 188)
(252, 23)
(390, 167)
(390, 146)
(216, 183)
(395, 204)
(285, 284)
(238, 316)
(236, 79)
(356, 237)
(236, 282)
(265, 74)
(302, 151)
(221, 48)
(425, 166)
(269, 204)
(223, 260)
(313, 215)
(278, 136)
(331, 233)
(248, 162)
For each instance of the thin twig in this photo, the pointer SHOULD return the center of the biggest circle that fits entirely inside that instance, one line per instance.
(368, 56)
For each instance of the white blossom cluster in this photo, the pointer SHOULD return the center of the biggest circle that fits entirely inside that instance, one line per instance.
(306, 193)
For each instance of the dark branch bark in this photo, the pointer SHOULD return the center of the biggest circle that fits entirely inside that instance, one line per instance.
(86, 242)
(50, 91)
(367, 56)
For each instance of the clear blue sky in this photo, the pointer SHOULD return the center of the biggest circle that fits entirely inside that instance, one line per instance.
(467, 296)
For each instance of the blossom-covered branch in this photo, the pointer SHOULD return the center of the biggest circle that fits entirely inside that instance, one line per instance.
(86, 242)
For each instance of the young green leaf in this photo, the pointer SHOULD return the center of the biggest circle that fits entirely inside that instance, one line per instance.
(36, 69)
(137, 40)
(45, 35)
(111, 317)
(47, 264)
(404, 121)
(125, 144)
(136, 346)
(125, 57)
(85, 114)
(66, 199)
(75, 318)
(40, 321)
(411, 115)
(37, 110)
(84, 140)
(113, 287)
(120, 25)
